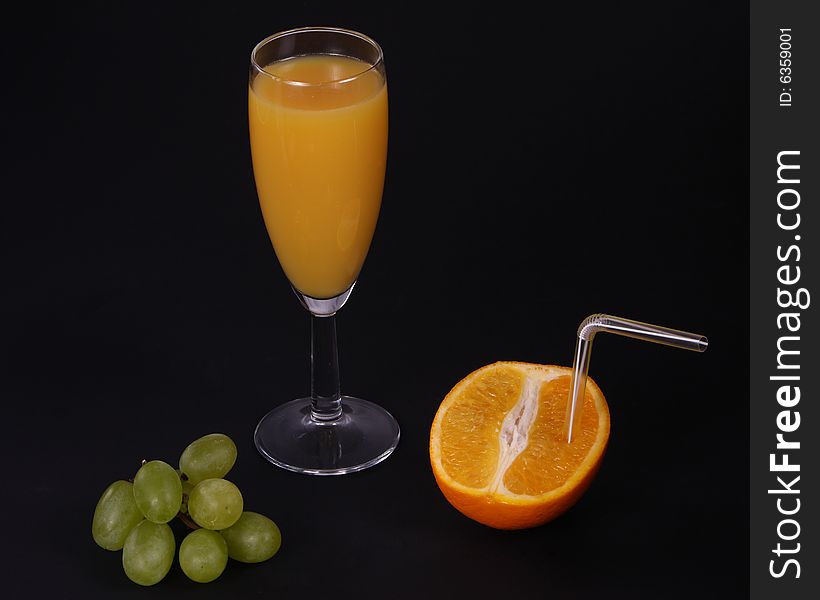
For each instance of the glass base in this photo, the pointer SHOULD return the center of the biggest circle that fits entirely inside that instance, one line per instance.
(363, 436)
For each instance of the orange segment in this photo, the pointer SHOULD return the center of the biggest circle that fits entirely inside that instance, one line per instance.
(548, 461)
(469, 440)
(497, 447)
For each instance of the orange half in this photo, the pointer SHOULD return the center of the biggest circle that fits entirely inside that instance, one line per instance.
(497, 447)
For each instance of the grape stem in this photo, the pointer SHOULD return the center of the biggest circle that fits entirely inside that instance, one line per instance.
(187, 520)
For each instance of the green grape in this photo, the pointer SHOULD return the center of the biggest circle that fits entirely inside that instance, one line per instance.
(115, 516)
(215, 504)
(253, 538)
(148, 552)
(203, 555)
(158, 491)
(209, 457)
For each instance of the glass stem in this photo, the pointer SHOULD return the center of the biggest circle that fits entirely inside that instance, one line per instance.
(325, 391)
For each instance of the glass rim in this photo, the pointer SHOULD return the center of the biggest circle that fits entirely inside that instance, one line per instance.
(338, 30)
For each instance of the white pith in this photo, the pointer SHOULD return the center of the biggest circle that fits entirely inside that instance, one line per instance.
(515, 429)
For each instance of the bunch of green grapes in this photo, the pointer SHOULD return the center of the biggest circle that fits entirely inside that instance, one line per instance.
(133, 516)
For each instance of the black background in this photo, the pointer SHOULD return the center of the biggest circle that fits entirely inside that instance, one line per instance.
(542, 167)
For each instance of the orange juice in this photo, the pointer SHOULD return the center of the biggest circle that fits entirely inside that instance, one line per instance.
(318, 128)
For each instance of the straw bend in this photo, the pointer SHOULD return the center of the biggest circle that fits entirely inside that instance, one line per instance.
(592, 325)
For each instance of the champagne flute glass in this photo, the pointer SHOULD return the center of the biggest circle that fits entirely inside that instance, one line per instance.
(317, 109)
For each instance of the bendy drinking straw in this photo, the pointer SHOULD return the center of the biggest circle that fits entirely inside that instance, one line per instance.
(601, 323)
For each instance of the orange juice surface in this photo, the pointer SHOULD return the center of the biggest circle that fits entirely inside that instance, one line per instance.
(319, 146)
